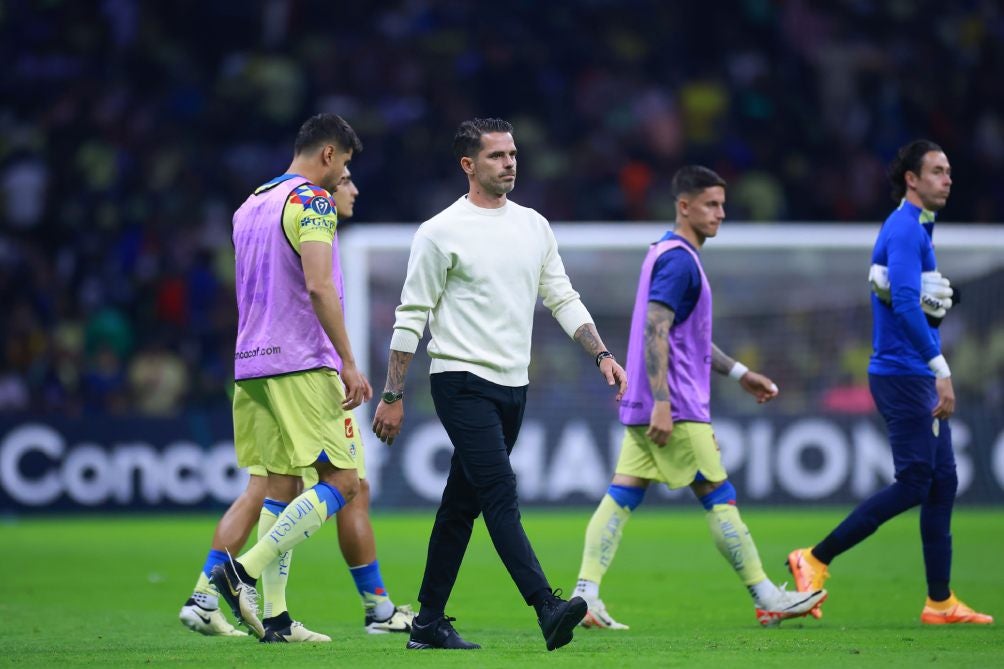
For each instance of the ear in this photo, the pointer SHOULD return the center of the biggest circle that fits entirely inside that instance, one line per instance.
(327, 154)
(467, 165)
(911, 178)
(682, 206)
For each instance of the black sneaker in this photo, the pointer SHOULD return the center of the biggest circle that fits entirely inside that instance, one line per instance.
(557, 618)
(437, 634)
(239, 593)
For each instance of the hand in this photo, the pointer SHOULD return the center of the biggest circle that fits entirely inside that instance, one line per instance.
(759, 386)
(387, 421)
(946, 399)
(660, 424)
(357, 387)
(615, 375)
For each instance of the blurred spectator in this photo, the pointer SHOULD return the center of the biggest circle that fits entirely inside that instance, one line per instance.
(129, 131)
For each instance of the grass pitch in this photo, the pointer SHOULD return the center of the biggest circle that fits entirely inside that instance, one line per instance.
(106, 591)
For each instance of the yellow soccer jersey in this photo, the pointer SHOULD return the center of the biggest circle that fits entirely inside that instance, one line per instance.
(309, 216)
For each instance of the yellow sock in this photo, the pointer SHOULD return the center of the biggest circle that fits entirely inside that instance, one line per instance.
(276, 573)
(204, 586)
(945, 605)
(302, 517)
(813, 561)
(735, 543)
(603, 536)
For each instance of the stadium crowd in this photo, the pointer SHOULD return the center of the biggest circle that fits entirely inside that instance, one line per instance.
(130, 131)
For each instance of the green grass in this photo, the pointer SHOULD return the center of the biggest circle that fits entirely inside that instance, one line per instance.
(106, 591)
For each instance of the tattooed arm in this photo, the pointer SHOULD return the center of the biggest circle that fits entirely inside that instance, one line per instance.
(720, 362)
(658, 320)
(388, 416)
(589, 339)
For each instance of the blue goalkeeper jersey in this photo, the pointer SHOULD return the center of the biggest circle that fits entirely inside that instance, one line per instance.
(902, 339)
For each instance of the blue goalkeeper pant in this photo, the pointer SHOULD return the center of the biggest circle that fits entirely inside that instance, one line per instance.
(925, 475)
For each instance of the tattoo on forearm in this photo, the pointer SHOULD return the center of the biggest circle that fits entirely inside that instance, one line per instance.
(397, 369)
(720, 362)
(589, 338)
(657, 323)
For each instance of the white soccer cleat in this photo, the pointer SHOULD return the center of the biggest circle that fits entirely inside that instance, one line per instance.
(399, 621)
(597, 616)
(210, 622)
(295, 633)
(788, 605)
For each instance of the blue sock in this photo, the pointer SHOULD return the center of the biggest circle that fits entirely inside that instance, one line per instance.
(214, 558)
(329, 494)
(627, 496)
(723, 494)
(275, 506)
(369, 583)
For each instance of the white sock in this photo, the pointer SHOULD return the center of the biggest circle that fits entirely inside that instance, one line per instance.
(764, 592)
(383, 610)
(205, 601)
(587, 589)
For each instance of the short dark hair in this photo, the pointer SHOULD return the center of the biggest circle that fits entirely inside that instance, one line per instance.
(692, 179)
(322, 128)
(467, 141)
(909, 158)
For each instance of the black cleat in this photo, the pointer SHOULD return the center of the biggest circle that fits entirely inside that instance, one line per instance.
(557, 618)
(437, 634)
(239, 593)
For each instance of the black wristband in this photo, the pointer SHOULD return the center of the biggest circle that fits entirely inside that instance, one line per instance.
(603, 355)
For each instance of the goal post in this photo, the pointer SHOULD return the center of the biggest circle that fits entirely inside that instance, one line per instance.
(790, 300)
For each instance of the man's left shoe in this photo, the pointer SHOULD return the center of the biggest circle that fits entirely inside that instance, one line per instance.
(295, 632)
(399, 621)
(789, 605)
(952, 612)
(210, 622)
(557, 619)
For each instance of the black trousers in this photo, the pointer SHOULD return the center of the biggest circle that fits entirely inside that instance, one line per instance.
(483, 421)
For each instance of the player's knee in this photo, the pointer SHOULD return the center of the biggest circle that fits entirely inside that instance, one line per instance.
(720, 493)
(916, 480)
(945, 486)
(628, 497)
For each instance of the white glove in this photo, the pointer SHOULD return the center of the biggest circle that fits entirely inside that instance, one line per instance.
(935, 290)
(935, 294)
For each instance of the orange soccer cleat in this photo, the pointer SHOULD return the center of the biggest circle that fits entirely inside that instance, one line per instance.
(809, 574)
(950, 612)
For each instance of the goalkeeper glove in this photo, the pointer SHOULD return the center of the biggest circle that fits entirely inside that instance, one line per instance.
(935, 291)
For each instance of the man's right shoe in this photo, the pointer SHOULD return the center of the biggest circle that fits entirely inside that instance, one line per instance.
(557, 618)
(240, 595)
(437, 634)
(808, 575)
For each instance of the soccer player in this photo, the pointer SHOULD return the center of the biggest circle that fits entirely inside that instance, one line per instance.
(355, 532)
(669, 438)
(911, 383)
(477, 268)
(296, 377)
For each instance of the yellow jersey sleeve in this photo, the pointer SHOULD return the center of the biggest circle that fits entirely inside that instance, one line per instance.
(309, 216)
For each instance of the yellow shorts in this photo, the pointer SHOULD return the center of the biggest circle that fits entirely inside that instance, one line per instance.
(283, 424)
(692, 448)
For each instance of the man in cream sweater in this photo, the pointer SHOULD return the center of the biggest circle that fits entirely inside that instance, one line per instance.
(474, 274)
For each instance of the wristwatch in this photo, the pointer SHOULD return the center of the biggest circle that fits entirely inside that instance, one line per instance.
(389, 396)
